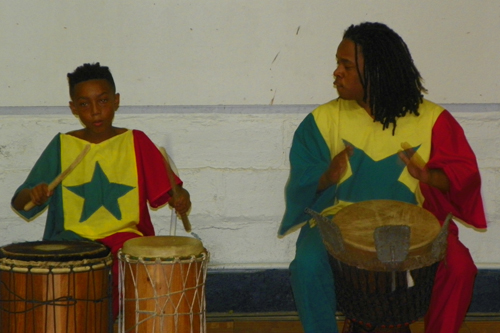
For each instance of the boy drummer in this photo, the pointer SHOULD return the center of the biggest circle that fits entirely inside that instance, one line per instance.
(105, 197)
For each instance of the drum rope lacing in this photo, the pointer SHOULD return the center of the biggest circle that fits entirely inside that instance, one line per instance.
(367, 297)
(62, 301)
(162, 301)
(55, 287)
(51, 307)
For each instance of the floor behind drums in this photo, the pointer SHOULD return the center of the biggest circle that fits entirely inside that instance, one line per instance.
(351, 327)
(289, 323)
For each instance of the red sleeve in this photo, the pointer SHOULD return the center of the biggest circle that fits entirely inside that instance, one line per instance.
(452, 153)
(152, 178)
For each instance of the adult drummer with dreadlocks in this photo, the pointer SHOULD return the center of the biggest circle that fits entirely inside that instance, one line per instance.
(344, 152)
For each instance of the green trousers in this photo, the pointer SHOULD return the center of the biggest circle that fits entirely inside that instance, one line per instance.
(313, 284)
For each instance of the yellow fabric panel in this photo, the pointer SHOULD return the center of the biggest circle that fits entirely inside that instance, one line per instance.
(341, 120)
(117, 159)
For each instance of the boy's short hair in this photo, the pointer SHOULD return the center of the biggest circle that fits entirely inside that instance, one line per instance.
(88, 72)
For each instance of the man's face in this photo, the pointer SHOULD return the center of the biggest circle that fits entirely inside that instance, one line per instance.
(347, 80)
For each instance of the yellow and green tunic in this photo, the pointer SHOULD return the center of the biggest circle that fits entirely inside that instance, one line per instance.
(107, 193)
(375, 170)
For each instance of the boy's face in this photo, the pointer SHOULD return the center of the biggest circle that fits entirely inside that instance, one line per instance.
(95, 103)
(347, 80)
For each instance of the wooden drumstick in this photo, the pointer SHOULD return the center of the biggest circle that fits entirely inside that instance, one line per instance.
(414, 157)
(175, 188)
(62, 175)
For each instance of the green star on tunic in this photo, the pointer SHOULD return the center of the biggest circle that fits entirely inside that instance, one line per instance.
(99, 192)
(373, 180)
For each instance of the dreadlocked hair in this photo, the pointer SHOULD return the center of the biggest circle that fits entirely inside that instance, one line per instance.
(391, 81)
(88, 72)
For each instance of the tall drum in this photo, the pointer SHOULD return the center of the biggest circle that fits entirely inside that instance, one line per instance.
(162, 285)
(384, 255)
(55, 287)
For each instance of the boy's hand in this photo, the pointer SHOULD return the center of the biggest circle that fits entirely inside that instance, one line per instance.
(40, 194)
(181, 201)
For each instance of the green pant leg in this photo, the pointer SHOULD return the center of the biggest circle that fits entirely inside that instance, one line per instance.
(313, 284)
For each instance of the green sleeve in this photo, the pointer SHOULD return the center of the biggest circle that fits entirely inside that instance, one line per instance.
(45, 170)
(309, 159)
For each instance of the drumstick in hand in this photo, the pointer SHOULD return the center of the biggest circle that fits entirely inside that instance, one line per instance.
(413, 155)
(175, 189)
(62, 175)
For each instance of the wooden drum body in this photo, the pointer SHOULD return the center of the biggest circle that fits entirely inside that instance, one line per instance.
(162, 285)
(384, 255)
(55, 287)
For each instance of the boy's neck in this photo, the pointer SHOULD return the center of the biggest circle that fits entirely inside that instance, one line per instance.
(91, 137)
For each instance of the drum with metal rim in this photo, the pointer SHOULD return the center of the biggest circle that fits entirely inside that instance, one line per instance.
(384, 255)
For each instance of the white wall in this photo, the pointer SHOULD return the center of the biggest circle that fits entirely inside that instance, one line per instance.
(234, 164)
(234, 161)
(222, 62)
(236, 52)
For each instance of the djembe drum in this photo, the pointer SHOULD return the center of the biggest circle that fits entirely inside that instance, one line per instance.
(162, 285)
(384, 256)
(55, 287)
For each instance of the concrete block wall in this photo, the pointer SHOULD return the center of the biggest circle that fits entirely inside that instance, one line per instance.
(234, 162)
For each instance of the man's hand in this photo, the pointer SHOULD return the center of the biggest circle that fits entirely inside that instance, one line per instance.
(336, 170)
(432, 177)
